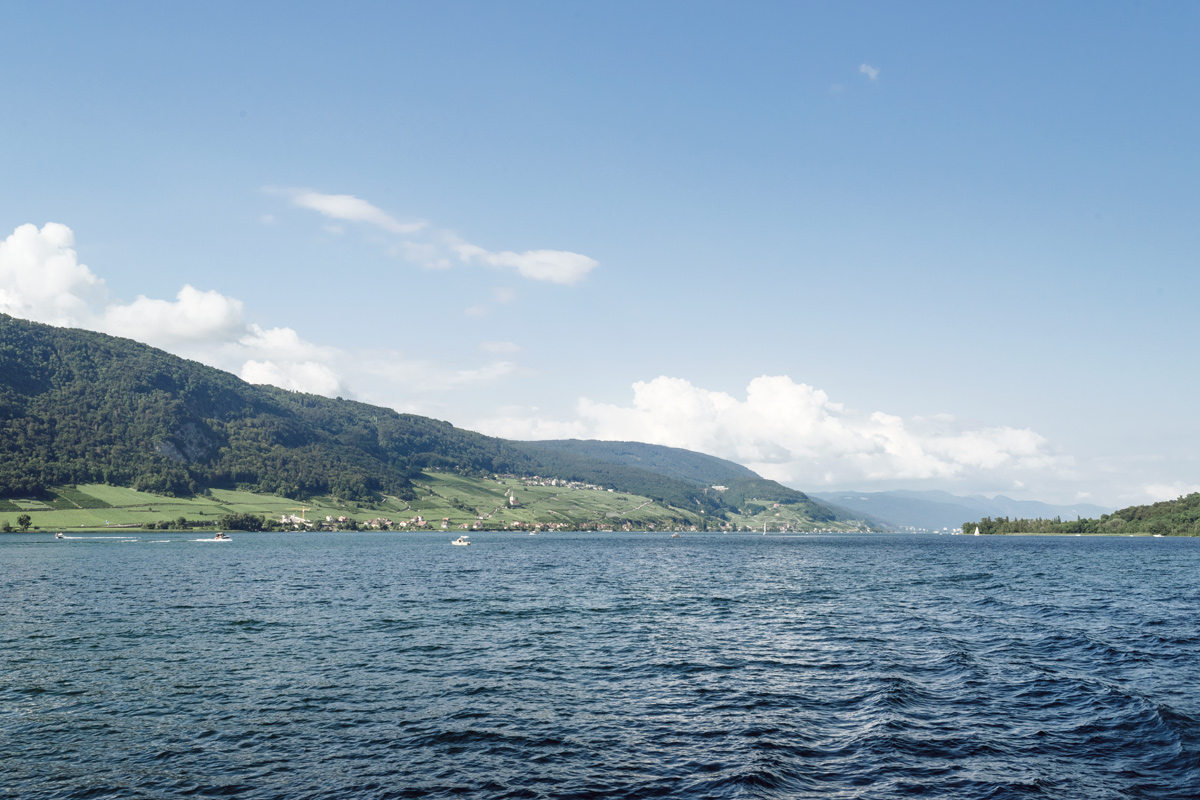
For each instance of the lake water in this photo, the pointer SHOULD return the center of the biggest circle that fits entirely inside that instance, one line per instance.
(599, 665)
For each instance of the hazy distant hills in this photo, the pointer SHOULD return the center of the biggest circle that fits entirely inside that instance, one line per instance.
(935, 510)
(80, 407)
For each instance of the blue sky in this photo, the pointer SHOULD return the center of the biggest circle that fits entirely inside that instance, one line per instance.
(853, 245)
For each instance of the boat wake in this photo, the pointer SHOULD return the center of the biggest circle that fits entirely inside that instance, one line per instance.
(115, 538)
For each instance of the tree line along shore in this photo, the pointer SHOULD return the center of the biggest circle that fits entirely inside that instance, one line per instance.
(1179, 517)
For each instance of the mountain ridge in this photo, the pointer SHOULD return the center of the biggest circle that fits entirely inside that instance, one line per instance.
(78, 406)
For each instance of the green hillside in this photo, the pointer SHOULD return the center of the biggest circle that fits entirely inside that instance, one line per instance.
(439, 501)
(78, 407)
(1179, 517)
(673, 462)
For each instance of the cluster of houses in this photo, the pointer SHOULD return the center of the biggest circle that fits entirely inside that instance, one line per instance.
(537, 480)
(418, 522)
(333, 523)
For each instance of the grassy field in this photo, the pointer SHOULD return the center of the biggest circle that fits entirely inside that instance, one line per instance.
(126, 507)
(440, 496)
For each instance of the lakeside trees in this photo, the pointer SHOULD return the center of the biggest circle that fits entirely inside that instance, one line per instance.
(1179, 517)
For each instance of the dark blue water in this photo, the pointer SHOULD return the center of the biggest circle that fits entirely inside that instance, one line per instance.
(587, 665)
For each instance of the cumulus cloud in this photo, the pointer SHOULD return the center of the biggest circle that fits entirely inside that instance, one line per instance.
(283, 343)
(352, 209)
(305, 376)
(871, 72)
(437, 248)
(41, 278)
(193, 316)
(1169, 491)
(796, 434)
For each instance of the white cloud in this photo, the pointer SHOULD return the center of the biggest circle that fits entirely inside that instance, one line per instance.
(352, 209)
(41, 278)
(871, 72)
(1169, 491)
(794, 433)
(283, 343)
(438, 247)
(306, 376)
(193, 316)
(556, 266)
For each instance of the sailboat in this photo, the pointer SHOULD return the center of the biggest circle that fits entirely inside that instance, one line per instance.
(976, 530)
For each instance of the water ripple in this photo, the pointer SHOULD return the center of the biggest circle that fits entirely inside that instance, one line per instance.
(572, 666)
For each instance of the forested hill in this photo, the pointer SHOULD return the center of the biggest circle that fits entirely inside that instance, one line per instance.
(77, 407)
(673, 462)
(1179, 517)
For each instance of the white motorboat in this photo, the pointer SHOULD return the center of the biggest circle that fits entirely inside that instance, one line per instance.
(461, 541)
(59, 535)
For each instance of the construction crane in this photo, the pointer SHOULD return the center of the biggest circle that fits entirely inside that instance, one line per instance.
(301, 510)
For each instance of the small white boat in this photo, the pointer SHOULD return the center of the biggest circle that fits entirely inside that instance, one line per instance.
(674, 535)
(461, 541)
(221, 537)
(976, 531)
(59, 535)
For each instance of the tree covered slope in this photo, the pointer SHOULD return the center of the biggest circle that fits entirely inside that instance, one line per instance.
(79, 407)
(673, 462)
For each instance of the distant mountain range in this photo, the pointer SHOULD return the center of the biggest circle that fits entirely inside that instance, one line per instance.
(934, 510)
